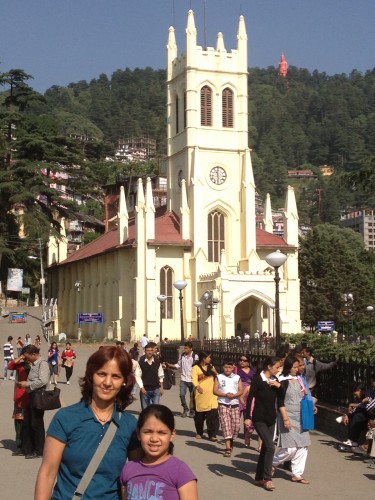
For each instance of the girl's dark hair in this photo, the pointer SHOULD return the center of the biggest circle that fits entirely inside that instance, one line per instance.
(288, 363)
(270, 361)
(160, 412)
(202, 355)
(57, 347)
(96, 361)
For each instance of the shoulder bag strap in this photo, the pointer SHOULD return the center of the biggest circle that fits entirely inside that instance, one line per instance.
(96, 460)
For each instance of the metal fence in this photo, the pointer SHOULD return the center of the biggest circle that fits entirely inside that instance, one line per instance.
(335, 386)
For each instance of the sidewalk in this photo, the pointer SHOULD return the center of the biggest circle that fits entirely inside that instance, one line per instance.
(332, 474)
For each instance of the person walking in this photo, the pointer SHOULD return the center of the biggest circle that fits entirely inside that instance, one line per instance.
(228, 388)
(33, 433)
(246, 373)
(20, 398)
(149, 376)
(293, 441)
(8, 357)
(53, 361)
(203, 376)
(68, 356)
(19, 346)
(268, 395)
(144, 342)
(185, 362)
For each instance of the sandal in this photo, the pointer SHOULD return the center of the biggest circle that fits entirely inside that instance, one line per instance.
(300, 480)
(228, 452)
(198, 436)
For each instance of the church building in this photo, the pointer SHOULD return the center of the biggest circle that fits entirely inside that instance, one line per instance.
(205, 237)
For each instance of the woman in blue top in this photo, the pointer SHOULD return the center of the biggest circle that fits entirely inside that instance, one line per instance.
(76, 431)
(53, 360)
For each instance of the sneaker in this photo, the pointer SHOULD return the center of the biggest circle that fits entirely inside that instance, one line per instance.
(12, 378)
(67, 382)
(185, 413)
(350, 443)
(191, 413)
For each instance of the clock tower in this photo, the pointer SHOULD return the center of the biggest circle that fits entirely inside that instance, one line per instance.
(209, 164)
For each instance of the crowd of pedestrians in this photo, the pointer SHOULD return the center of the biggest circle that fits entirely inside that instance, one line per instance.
(267, 396)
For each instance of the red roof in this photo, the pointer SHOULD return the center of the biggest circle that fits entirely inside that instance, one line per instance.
(167, 232)
(265, 239)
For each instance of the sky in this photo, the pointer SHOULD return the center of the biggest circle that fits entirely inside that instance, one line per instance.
(64, 41)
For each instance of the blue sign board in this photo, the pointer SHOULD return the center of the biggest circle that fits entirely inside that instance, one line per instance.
(326, 326)
(90, 318)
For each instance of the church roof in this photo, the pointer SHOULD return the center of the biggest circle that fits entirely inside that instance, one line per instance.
(265, 239)
(167, 232)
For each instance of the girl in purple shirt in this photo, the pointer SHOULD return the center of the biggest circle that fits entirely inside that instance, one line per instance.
(158, 474)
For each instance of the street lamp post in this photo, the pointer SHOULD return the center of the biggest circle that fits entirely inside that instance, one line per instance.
(273, 318)
(181, 285)
(276, 259)
(370, 310)
(211, 304)
(42, 283)
(161, 298)
(348, 301)
(78, 286)
(198, 305)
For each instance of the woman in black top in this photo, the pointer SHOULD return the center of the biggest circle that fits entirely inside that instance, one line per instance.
(268, 394)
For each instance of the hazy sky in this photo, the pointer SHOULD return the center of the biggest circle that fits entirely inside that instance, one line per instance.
(63, 41)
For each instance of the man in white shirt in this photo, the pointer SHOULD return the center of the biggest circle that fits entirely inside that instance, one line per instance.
(185, 362)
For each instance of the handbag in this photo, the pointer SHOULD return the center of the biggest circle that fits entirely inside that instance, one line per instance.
(46, 400)
(307, 414)
(307, 410)
(96, 459)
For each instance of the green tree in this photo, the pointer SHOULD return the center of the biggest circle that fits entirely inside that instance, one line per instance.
(333, 261)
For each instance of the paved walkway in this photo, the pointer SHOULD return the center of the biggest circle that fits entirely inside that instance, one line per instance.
(332, 474)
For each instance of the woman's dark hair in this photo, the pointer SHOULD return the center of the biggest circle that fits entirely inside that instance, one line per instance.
(57, 347)
(160, 412)
(96, 362)
(245, 356)
(202, 355)
(288, 363)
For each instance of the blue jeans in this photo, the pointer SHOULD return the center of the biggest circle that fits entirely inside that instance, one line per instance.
(184, 387)
(152, 397)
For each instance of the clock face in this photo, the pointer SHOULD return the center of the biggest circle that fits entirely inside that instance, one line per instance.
(218, 175)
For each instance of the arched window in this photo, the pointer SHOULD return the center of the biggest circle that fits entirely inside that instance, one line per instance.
(216, 242)
(166, 288)
(177, 114)
(227, 108)
(206, 106)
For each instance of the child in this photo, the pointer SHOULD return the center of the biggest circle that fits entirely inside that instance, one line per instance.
(228, 388)
(158, 473)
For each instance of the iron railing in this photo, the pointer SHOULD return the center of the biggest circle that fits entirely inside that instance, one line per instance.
(335, 386)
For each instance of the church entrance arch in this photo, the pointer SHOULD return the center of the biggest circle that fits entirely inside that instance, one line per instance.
(252, 314)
